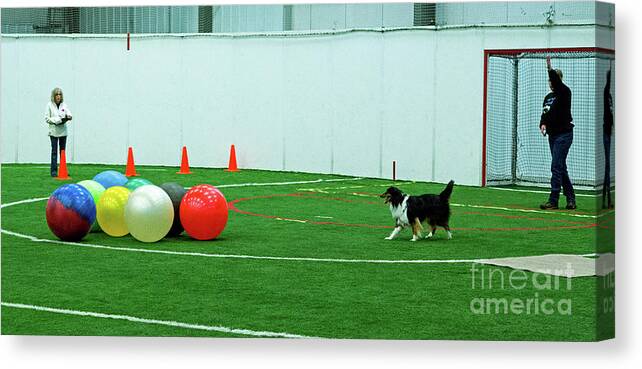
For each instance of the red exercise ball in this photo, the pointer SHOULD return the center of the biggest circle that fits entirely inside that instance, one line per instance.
(203, 212)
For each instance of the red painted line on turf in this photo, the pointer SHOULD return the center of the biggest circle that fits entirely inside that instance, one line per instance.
(232, 206)
(516, 207)
(321, 197)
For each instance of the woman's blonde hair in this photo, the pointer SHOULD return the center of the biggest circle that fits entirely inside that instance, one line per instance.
(54, 92)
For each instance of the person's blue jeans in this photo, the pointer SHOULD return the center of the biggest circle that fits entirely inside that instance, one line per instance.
(54, 152)
(560, 145)
(606, 186)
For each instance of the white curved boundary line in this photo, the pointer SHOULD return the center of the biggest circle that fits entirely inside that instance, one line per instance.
(233, 256)
(23, 202)
(255, 257)
(288, 183)
(257, 184)
(169, 323)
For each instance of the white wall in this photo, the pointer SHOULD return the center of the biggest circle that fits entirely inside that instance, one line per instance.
(338, 16)
(347, 104)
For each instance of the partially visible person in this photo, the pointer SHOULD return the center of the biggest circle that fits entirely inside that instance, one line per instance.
(57, 115)
(557, 123)
(606, 139)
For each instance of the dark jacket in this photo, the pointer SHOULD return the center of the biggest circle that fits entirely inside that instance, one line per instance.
(556, 114)
(608, 107)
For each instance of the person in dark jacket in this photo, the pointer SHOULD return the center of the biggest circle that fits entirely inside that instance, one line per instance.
(606, 139)
(557, 123)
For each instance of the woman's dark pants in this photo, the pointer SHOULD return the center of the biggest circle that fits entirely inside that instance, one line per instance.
(54, 152)
(606, 186)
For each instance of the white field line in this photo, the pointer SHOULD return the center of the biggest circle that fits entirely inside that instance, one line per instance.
(328, 188)
(252, 257)
(315, 190)
(23, 202)
(218, 186)
(291, 220)
(287, 183)
(360, 194)
(536, 191)
(169, 323)
(233, 256)
(548, 212)
(283, 183)
(323, 189)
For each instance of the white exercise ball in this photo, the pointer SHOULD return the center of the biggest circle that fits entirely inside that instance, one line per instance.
(149, 213)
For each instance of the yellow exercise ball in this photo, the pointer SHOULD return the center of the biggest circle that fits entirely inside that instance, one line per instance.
(110, 211)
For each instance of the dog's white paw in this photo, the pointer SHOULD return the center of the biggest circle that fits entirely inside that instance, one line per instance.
(388, 238)
(429, 235)
(414, 238)
(450, 235)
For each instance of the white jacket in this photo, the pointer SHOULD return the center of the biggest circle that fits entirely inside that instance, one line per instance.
(53, 118)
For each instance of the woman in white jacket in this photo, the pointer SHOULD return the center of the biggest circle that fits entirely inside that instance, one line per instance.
(56, 116)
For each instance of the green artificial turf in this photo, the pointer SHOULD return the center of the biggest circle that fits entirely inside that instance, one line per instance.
(301, 283)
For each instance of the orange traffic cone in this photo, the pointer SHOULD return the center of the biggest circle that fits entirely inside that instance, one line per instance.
(184, 163)
(62, 173)
(231, 167)
(130, 171)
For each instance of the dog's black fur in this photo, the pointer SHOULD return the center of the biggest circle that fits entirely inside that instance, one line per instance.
(433, 209)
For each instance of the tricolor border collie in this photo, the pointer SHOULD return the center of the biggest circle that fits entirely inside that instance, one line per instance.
(413, 210)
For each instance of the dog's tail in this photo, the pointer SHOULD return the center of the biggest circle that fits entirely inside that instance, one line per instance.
(445, 194)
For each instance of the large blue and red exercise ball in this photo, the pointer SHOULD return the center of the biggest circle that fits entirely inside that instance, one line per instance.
(70, 212)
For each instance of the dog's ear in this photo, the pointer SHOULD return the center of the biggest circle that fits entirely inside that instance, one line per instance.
(394, 191)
